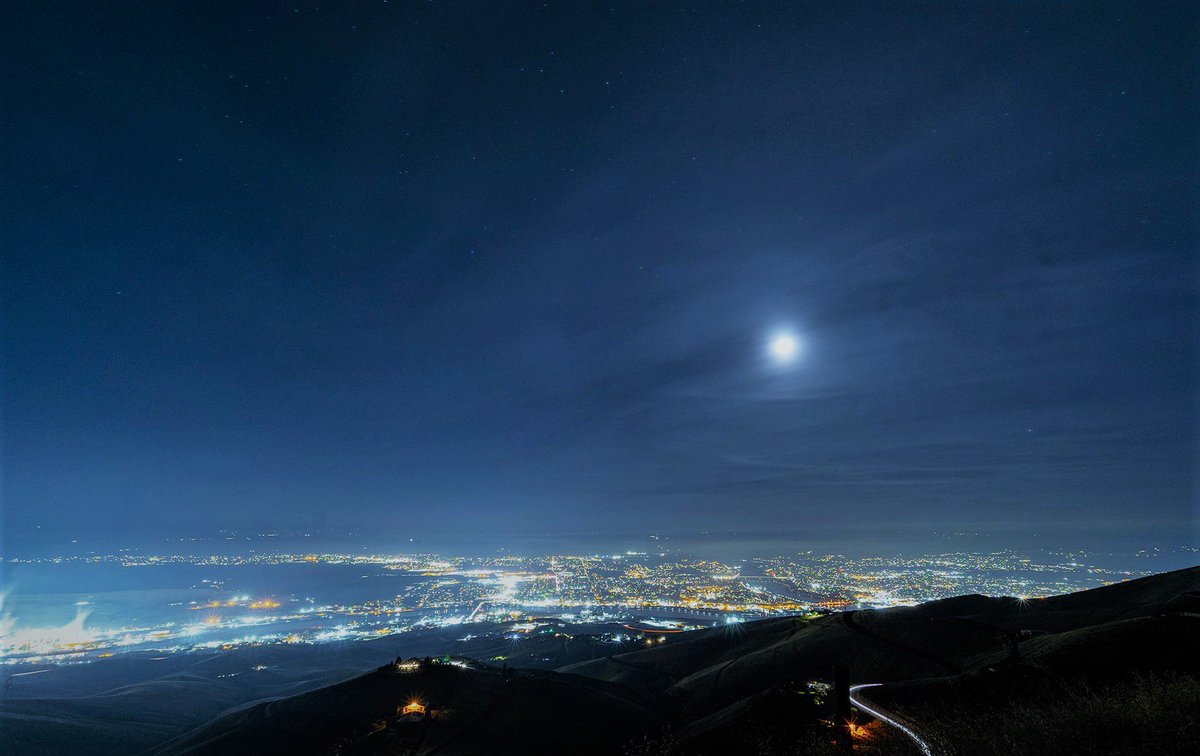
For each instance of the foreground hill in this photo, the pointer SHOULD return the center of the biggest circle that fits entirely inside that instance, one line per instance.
(732, 686)
(136, 701)
(475, 710)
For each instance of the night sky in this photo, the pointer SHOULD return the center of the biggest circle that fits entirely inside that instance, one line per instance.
(447, 269)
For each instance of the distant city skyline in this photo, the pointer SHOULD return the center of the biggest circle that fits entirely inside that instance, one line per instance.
(253, 598)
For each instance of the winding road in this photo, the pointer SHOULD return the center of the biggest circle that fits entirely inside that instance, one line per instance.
(883, 716)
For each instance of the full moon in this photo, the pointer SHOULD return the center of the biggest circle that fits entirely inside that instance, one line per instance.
(783, 347)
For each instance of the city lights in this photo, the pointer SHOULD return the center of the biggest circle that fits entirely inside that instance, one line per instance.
(638, 593)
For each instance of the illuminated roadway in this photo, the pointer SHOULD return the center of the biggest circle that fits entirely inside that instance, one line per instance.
(883, 717)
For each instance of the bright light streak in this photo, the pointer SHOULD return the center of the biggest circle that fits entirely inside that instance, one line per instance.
(885, 718)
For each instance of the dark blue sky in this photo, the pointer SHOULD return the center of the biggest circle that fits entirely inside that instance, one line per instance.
(441, 268)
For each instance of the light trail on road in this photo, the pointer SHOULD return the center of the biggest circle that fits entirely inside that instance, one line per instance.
(878, 714)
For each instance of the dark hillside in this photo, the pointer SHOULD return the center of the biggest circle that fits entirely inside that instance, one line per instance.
(714, 690)
(476, 710)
